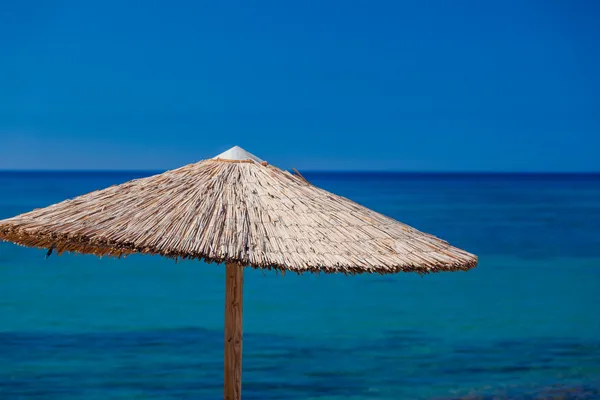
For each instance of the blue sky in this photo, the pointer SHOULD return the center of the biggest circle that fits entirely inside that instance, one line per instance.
(389, 85)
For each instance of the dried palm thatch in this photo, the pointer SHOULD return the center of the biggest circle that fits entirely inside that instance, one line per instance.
(236, 209)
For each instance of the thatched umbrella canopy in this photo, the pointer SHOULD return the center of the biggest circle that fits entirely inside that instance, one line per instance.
(239, 210)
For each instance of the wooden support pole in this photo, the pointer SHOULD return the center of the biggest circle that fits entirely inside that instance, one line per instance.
(234, 284)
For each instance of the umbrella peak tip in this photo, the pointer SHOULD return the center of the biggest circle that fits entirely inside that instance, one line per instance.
(236, 153)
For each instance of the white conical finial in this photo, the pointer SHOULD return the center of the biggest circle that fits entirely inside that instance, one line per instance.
(236, 153)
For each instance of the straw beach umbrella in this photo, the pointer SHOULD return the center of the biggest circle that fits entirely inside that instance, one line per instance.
(238, 210)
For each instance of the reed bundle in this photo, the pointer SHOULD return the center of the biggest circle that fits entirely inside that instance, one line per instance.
(235, 211)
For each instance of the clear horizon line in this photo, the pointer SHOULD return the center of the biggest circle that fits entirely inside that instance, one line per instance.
(382, 171)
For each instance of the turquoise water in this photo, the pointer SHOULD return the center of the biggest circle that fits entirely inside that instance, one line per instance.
(523, 325)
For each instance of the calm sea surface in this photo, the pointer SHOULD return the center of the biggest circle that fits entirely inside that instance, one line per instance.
(525, 324)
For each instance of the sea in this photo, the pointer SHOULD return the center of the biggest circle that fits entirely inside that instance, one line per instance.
(524, 324)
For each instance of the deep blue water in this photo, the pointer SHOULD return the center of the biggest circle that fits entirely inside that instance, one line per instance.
(524, 324)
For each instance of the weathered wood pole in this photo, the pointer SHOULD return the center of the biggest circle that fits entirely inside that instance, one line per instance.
(234, 284)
